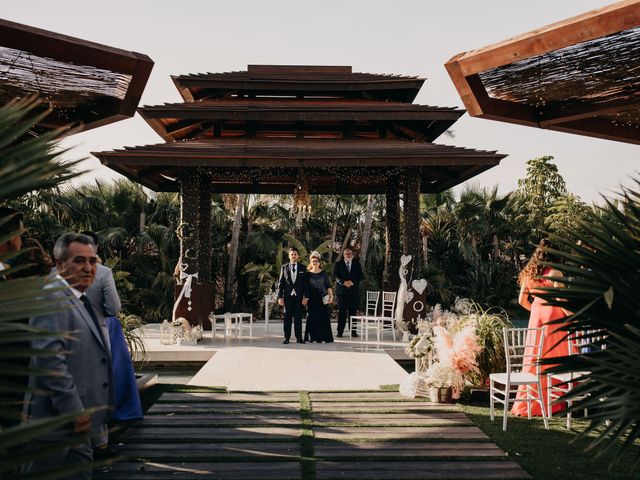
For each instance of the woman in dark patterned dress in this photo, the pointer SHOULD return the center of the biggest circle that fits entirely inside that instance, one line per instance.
(318, 327)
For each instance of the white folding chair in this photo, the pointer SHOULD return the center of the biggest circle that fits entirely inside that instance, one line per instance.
(359, 321)
(213, 318)
(386, 321)
(523, 350)
(578, 342)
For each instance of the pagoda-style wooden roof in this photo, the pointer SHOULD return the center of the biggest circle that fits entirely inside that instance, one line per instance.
(299, 118)
(272, 166)
(84, 83)
(258, 139)
(298, 81)
(580, 75)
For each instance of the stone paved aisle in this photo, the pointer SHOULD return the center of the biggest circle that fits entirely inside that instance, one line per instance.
(271, 435)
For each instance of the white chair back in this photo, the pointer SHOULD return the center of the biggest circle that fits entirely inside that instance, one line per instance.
(372, 303)
(523, 348)
(388, 304)
(585, 341)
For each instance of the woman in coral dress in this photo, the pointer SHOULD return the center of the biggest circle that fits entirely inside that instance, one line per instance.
(541, 314)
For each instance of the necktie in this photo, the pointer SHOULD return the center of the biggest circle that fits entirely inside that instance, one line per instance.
(92, 314)
(349, 267)
(293, 278)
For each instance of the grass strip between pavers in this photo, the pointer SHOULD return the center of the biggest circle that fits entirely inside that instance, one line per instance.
(307, 453)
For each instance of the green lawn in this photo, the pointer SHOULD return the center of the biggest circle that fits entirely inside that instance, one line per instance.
(548, 454)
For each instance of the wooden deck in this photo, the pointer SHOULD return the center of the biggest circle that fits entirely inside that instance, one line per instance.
(356, 435)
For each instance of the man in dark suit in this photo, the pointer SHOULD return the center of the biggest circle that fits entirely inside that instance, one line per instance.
(11, 226)
(348, 275)
(80, 362)
(292, 294)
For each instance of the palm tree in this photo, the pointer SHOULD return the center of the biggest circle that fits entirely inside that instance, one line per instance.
(233, 251)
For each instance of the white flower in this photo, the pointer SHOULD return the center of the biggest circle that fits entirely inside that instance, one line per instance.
(441, 375)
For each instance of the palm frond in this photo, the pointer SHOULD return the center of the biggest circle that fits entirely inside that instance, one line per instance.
(600, 262)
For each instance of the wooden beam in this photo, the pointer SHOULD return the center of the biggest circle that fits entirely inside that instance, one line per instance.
(563, 114)
(600, 128)
(64, 48)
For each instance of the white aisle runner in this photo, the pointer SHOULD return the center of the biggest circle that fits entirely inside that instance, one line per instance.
(298, 367)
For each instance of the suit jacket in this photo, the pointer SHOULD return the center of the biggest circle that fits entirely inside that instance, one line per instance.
(102, 293)
(286, 284)
(82, 363)
(342, 274)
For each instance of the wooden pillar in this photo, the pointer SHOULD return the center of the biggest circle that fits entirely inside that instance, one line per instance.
(194, 233)
(411, 231)
(391, 280)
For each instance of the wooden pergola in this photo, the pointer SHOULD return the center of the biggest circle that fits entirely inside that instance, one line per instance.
(85, 84)
(274, 129)
(580, 75)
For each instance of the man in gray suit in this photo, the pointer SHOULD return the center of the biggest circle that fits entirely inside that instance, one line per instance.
(81, 362)
(104, 299)
(102, 293)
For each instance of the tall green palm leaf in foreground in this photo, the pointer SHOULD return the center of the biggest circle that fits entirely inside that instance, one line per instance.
(24, 166)
(601, 267)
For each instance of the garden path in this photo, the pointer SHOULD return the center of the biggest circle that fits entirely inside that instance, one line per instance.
(191, 433)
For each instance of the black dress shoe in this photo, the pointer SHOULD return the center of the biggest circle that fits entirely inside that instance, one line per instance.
(340, 334)
(354, 334)
(299, 340)
(109, 451)
(286, 341)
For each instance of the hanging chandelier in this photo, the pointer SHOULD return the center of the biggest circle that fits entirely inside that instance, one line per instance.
(301, 209)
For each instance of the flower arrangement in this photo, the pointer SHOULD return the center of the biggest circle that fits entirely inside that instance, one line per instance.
(184, 334)
(422, 344)
(441, 375)
(448, 338)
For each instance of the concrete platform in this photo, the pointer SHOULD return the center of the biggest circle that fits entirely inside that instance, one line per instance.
(264, 363)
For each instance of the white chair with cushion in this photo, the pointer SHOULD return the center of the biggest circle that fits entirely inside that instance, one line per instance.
(359, 322)
(523, 350)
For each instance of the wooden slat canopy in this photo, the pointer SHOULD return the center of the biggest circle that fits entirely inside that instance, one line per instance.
(272, 166)
(84, 83)
(580, 75)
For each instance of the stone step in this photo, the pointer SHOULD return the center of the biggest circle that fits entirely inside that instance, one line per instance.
(175, 434)
(396, 449)
(425, 469)
(209, 470)
(211, 450)
(400, 433)
(370, 419)
(229, 397)
(374, 406)
(361, 396)
(201, 419)
(223, 407)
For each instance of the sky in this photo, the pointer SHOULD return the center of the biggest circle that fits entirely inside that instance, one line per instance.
(407, 37)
